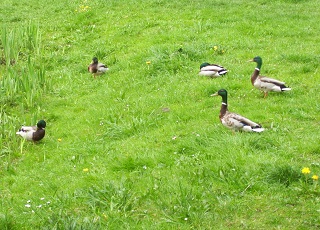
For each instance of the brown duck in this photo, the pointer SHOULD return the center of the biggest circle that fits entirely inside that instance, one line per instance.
(266, 84)
(212, 70)
(97, 68)
(33, 133)
(235, 121)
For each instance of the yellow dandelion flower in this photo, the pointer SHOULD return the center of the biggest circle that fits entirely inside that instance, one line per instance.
(59, 139)
(315, 177)
(86, 170)
(215, 48)
(305, 170)
(148, 62)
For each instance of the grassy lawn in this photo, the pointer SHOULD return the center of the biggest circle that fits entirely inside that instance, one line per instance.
(142, 146)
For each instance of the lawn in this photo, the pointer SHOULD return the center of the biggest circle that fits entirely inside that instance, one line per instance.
(142, 146)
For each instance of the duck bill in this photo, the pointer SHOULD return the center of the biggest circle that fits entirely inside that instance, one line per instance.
(251, 60)
(215, 94)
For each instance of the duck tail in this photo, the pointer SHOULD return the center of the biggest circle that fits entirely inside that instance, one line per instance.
(21, 133)
(222, 72)
(258, 130)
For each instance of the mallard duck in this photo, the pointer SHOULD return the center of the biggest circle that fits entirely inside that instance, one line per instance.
(212, 70)
(33, 133)
(97, 68)
(235, 121)
(266, 84)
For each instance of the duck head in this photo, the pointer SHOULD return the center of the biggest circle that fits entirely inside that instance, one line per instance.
(41, 124)
(257, 59)
(221, 92)
(204, 64)
(95, 60)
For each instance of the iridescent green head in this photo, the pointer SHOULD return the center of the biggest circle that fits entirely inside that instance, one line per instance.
(204, 64)
(41, 124)
(258, 60)
(95, 60)
(223, 93)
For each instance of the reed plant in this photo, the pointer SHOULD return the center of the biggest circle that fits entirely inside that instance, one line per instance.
(11, 44)
(23, 80)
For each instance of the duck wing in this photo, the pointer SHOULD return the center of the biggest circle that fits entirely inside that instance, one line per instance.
(242, 120)
(212, 70)
(26, 134)
(238, 122)
(270, 84)
(271, 80)
(102, 68)
(28, 128)
(212, 67)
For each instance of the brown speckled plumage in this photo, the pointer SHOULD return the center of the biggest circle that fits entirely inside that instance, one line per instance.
(235, 121)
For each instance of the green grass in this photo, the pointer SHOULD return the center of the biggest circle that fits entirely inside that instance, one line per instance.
(142, 147)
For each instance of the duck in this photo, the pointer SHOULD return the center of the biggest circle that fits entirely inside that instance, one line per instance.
(97, 68)
(234, 121)
(212, 70)
(33, 133)
(263, 83)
